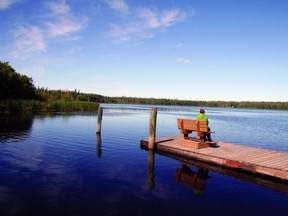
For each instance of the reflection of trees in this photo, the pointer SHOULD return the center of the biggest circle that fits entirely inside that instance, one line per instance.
(193, 179)
(15, 127)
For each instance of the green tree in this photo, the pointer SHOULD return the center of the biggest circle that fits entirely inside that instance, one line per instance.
(14, 85)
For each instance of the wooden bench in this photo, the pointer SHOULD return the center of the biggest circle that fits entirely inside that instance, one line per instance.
(187, 126)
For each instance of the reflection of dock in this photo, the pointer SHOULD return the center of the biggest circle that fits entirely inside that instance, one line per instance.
(255, 160)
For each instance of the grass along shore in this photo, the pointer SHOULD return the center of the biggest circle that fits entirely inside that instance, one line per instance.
(18, 105)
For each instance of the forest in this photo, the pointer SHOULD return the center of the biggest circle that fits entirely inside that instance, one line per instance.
(18, 93)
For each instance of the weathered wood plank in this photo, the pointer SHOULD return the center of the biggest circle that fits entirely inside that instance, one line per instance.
(276, 162)
(268, 157)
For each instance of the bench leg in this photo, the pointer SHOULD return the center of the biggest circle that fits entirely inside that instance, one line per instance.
(203, 138)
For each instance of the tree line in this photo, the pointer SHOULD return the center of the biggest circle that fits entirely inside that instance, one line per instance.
(61, 95)
(17, 89)
(176, 102)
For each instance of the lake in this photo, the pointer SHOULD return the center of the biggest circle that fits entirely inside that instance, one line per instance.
(55, 164)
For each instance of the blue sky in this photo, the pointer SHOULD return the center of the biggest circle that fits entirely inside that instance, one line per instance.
(231, 50)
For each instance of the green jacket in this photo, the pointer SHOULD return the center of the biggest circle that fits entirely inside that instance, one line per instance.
(202, 117)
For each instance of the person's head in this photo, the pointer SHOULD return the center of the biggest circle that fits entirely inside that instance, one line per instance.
(202, 111)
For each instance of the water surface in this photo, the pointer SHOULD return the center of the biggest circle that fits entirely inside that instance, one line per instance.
(56, 165)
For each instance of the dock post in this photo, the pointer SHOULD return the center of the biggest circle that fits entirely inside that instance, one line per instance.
(152, 130)
(99, 120)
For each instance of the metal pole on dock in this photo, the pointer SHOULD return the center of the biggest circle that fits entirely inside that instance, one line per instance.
(99, 120)
(152, 130)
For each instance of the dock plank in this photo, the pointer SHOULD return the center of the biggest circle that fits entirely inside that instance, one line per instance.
(255, 160)
(276, 162)
(268, 158)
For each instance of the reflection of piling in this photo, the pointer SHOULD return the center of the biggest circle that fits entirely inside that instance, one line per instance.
(98, 146)
(152, 130)
(99, 120)
(151, 165)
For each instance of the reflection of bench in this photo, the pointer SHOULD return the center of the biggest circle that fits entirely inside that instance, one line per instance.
(187, 126)
(192, 179)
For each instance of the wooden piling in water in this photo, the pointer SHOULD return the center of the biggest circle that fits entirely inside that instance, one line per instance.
(99, 120)
(152, 128)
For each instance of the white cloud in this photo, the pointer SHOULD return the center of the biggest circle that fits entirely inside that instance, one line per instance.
(61, 22)
(128, 32)
(161, 19)
(145, 23)
(4, 4)
(65, 22)
(59, 8)
(29, 40)
(183, 60)
(118, 5)
(65, 26)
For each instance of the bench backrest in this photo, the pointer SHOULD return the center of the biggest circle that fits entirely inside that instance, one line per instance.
(192, 125)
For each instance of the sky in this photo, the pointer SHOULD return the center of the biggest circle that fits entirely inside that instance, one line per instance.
(211, 50)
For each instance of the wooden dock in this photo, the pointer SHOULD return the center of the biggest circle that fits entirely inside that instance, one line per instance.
(255, 160)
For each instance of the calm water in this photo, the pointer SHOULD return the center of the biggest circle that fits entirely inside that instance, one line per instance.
(56, 165)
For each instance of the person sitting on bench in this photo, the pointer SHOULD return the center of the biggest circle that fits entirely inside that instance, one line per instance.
(203, 117)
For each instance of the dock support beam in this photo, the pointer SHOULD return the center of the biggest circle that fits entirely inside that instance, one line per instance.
(152, 130)
(99, 120)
